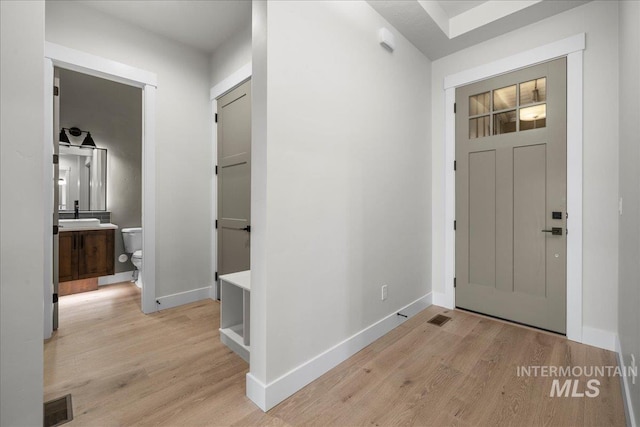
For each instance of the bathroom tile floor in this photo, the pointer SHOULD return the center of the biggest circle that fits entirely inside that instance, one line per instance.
(169, 368)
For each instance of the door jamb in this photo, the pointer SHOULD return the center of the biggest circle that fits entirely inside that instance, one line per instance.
(571, 48)
(75, 60)
(234, 80)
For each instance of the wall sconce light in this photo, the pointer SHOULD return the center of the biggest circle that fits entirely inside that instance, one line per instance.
(88, 141)
(63, 137)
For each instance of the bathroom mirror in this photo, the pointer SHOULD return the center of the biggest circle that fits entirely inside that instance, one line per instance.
(83, 177)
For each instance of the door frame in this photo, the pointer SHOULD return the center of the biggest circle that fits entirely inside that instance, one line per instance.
(572, 48)
(63, 57)
(234, 80)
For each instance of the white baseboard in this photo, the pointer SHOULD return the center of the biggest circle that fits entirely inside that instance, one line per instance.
(182, 298)
(626, 392)
(125, 276)
(599, 338)
(269, 395)
(257, 392)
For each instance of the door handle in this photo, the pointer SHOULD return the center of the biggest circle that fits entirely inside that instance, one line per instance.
(556, 231)
(247, 229)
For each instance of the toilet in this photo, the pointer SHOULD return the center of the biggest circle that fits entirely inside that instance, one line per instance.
(132, 238)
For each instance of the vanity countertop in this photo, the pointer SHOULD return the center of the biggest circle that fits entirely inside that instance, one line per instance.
(105, 226)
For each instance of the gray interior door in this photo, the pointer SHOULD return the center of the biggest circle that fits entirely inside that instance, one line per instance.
(511, 196)
(234, 179)
(56, 193)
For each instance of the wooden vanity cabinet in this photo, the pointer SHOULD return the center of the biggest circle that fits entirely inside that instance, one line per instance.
(67, 256)
(85, 254)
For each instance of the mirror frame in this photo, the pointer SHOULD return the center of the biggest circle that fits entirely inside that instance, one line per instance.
(86, 147)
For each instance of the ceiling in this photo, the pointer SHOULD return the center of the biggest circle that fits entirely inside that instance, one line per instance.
(439, 28)
(436, 28)
(203, 25)
(456, 7)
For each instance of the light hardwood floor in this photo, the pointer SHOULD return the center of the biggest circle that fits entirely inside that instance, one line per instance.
(169, 368)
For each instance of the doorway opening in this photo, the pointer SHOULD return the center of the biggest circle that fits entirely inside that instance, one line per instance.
(572, 48)
(99, 147)
(233, 170)
(90, 65)
(231, 102)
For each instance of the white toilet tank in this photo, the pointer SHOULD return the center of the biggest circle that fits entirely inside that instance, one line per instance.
(132, 238)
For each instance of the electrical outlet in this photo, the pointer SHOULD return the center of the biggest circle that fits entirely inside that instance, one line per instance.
(384, 293)
(634, 369)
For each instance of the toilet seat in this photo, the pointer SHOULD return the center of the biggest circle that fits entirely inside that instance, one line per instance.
(137, 254)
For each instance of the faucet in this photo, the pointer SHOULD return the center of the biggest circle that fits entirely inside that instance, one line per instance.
(76, 210)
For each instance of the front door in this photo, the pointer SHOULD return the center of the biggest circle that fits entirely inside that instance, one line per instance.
(511, 196)
(234, 179)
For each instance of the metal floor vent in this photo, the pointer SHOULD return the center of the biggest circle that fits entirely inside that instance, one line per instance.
(439, 320)
(58, 411)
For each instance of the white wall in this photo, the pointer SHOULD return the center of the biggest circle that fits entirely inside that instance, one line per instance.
(183, 135)
(599, 20)
(629, 231)
(346, 167)
(259, 157)
(231, 55)
(112, 112)
(21, 225)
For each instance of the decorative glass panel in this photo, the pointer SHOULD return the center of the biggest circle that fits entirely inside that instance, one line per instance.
(533, 91)
(504, 122)
(479, 104)
(533, 117)
(479, 127)
(504, 98)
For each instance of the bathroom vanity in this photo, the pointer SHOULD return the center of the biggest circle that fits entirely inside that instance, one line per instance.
(235, 295)
(85, 252)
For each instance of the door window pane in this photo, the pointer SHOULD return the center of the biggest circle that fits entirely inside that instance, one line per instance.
(533, 91)
(504, 122)
(533, 117)
(504, 98)
(479, 127)
(479, 104)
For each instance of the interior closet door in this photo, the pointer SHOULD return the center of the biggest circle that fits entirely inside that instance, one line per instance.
(234, 180)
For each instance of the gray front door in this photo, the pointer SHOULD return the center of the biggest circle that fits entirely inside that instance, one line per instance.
(511, 196)
(234, 179)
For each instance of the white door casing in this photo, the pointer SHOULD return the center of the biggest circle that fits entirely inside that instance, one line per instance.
(572, 48)
(75, 60)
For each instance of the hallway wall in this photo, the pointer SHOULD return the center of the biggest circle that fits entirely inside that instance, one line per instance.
(341, 189)
(629, 176)
(231, 55)
(22, 232)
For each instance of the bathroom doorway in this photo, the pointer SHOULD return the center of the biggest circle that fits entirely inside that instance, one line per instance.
(144, 84)
(98, 124)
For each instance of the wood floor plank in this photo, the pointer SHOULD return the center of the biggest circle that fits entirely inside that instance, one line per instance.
(124, 368)
(600, 410)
